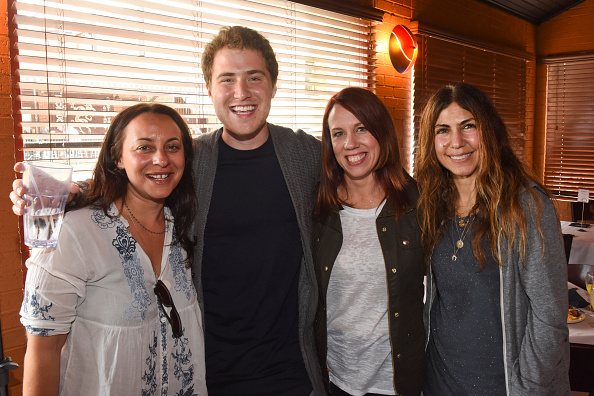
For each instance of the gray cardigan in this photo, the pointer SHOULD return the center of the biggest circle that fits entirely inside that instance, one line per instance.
(299, 157)
(534, 305)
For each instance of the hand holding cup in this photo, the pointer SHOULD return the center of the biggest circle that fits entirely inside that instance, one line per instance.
(46, 187)
(16, 195)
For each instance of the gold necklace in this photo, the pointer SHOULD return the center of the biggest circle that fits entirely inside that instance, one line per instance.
(140, 224)
(142, 239)
(459, 244)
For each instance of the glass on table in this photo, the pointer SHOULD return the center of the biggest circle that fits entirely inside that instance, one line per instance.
(589, 288)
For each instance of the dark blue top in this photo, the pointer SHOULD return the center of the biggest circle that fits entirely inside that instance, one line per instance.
(465, 351)
(250, 272)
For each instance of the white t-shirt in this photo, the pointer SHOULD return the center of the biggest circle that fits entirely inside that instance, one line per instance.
(359, 353)
(97, 286)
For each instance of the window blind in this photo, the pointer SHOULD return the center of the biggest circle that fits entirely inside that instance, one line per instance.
(501, 77)
(79, 62)
(569, 146)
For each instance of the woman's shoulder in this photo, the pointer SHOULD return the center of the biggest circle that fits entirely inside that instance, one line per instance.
(411, 188)
(537, 203)
(81, 219)
(532, 192)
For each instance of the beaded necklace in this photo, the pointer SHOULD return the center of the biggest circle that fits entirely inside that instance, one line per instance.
(140, 224)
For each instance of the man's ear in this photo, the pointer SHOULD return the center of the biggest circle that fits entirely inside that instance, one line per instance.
(274, 91)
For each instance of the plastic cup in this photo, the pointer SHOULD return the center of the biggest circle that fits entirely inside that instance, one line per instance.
(47, 186)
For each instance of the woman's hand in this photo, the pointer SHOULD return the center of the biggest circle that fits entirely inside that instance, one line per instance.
(16, 195)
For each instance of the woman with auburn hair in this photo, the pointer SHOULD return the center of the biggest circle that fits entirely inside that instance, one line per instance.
(112, 309)
(496, 302)
(368, 254)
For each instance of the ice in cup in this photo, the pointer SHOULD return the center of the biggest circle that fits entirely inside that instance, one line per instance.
(47, 186)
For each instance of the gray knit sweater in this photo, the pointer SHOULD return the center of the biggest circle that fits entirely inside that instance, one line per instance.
(534, 306)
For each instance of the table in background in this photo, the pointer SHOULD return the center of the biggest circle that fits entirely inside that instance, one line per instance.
(581, 338)
(582, 246)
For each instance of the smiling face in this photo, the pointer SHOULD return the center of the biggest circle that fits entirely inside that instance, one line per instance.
(152, 156)
(457, 142)
(241, 91)
(356, 150)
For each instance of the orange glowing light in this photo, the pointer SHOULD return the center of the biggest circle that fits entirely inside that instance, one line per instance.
(402, 49)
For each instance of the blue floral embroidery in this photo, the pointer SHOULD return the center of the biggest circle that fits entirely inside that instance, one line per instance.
(187, 392)
(124, 243)
(102, 220)
(164, 324)
(32, 306)
(38, 331)
(126, 246)
(183, 369)
(149, 376)
(38, 311)
(180, 273)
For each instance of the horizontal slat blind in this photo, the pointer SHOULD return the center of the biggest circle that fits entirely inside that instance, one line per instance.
(502, 78)
(82, 61)
(569, 162)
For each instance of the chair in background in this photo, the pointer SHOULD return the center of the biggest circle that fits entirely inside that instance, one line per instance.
(576, 274)
(588, 211)
(567, 241)
(581, 370)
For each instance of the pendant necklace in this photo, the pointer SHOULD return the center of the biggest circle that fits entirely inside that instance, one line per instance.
(465, 225)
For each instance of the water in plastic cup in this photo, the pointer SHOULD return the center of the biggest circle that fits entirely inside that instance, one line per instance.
(47, 186)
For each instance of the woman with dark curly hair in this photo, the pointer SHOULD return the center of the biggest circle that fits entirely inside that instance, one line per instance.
(496, 302)
(112, 308)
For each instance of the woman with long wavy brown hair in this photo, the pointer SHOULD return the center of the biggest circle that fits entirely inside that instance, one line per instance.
(367, 254)
(496, 302)
(112, 309)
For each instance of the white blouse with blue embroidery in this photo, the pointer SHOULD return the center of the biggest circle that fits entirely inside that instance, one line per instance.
(96, 286)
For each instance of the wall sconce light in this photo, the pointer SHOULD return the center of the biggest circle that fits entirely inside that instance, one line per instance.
(403, 49)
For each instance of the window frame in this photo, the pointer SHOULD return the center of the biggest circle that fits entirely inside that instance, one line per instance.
(499, 71)
(569, 125)
(305, 83)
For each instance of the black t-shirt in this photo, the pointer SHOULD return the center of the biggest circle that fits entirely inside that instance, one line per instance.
(250, 275)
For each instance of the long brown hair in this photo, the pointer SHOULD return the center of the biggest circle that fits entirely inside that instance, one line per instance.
(372, 113)
(500, 176)
(110, 183)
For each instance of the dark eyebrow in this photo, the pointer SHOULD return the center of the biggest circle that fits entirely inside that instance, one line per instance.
(249, 72)
(464, 122)
(226, 75)
(145, 139)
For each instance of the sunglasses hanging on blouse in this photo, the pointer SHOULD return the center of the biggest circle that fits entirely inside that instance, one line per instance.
(165, 299)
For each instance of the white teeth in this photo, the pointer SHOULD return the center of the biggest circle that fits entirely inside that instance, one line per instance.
(355, 158)
(459, 157)
(238, 109)
(158, 177)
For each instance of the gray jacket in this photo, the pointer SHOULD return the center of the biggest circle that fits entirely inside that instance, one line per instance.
(299, 157)
(534, 306)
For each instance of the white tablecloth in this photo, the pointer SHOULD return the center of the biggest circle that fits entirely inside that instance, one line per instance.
(582, 332)
(582, 247)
